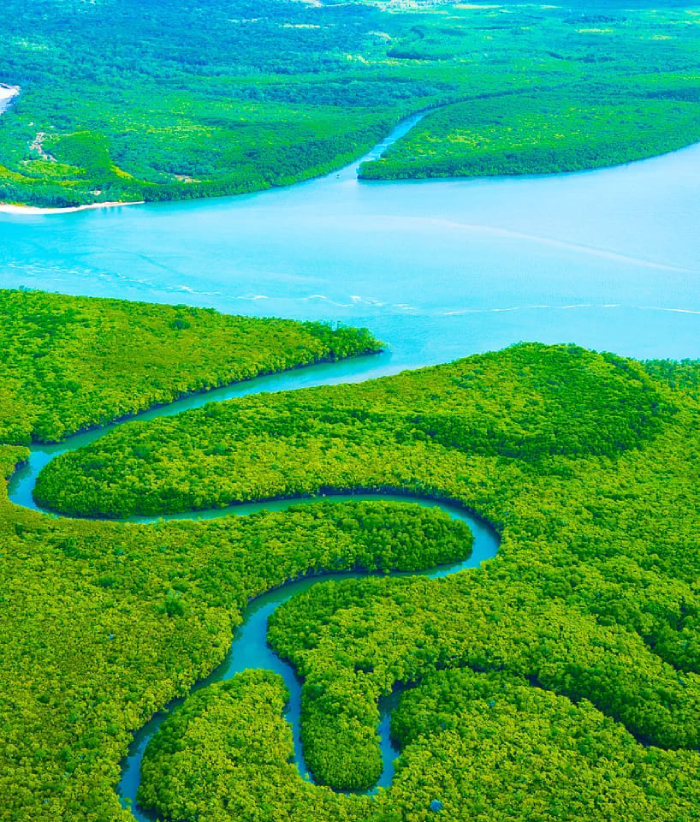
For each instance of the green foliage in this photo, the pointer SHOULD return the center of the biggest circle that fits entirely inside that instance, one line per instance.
(489, 743)
(560, 680)
(568, 130)
(183, 101)
(69, 363)
(200, 763)
(683, 375)
(518, 752)
(528, 402)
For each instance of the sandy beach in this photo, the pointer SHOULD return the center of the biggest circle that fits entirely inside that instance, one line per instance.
(33, 211)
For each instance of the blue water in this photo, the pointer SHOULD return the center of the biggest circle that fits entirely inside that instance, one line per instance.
(249, 649)
(608, 259)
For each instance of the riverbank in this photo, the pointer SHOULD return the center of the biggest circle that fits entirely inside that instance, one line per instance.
(34, 211)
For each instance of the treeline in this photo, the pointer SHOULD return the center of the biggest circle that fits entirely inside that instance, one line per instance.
(69, 363)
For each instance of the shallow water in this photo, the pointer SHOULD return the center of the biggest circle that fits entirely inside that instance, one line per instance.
(608, 259)
(441, 269)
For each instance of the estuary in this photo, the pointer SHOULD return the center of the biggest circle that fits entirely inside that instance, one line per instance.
(438, 269)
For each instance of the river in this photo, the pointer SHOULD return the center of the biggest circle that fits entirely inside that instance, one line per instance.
(249, 649)
(608, 259)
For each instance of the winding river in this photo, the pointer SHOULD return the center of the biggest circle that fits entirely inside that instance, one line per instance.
(249, 648)
(438, 269)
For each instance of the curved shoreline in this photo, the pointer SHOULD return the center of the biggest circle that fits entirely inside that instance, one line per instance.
(402, 127)
(7, 95)
(252, 631)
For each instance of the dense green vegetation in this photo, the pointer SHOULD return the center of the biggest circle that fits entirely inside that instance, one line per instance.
(103, 624)
(68, 363)
(485, 746)
(173, 100)
(683, 375)
(204, 748)
(569, 130)
(560, 680)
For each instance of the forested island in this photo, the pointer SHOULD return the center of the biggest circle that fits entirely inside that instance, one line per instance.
(115, 104)
(560, 680)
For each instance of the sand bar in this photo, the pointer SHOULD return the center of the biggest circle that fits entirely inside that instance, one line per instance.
(33, 211)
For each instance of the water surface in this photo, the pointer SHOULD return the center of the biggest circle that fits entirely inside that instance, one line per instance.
(608, 259)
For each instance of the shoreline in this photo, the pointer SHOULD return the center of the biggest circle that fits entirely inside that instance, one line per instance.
(34, 211)
(399, 130)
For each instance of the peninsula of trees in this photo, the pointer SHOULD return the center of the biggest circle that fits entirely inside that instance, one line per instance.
(167, 100)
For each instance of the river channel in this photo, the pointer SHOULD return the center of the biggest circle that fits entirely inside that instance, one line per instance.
(608, 259)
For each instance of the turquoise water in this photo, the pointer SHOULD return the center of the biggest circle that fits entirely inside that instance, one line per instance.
(439, 270)
(608, 259)
(249, 648)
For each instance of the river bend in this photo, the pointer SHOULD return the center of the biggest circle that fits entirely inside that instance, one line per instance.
(249, 648)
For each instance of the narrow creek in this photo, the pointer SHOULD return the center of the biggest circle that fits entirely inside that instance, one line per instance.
(249, 648)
